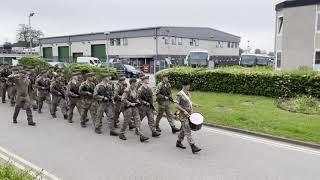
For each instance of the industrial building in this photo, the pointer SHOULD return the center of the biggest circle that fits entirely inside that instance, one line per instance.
(152, 46)
(297, 36)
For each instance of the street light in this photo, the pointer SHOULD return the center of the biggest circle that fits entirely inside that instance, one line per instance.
(107, 33)
(30, 15)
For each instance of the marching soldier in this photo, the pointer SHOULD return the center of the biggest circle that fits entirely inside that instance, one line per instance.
(119, 90)
(11, 87)
(23, 101)
(32, 90)
(104, 95)
(73, 95)
(43, 86)
(131, 110)
(164, 99)
(86, 91)
(4, 74)
(147, 109)
(184, 106)
(58, 97)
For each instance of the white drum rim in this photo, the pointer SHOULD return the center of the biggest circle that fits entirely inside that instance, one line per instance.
(196, 118)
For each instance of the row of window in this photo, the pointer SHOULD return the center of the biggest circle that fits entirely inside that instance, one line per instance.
(220, 44)
(117, 42)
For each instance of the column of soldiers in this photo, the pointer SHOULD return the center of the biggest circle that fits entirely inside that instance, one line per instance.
(29, 87)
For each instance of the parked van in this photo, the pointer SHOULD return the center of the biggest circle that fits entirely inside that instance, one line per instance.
(199, 58)
(89, 60)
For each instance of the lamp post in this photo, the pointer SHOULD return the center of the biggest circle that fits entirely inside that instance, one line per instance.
(30, 15)
(107, 33)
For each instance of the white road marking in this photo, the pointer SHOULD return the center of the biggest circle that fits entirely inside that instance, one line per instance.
(266, 141)
(23, 164)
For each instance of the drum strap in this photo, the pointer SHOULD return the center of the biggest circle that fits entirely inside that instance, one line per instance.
(187, 97)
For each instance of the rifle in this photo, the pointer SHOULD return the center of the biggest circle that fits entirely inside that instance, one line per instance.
(131, 100)
(105, 93)
(61, 92)
(166, 92)
(85, 88)
(148, 98)
(74, 91)
(43, 85)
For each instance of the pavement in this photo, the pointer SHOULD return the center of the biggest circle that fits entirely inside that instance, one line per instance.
(73, 153)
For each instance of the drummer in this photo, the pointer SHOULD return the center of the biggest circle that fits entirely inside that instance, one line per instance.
(184, 107)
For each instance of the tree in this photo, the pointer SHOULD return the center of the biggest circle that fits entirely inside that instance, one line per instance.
(27, 34)
(241, 51)
(257, 51)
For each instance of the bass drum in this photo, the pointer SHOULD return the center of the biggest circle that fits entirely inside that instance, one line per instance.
(195, 121)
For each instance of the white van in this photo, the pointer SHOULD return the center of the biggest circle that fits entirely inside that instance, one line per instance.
(89, 60)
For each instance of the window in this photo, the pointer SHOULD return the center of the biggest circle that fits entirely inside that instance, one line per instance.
(125, 41)
(111, 42)
(318, 23)
(191, 42)
(280, 25)
(179, 41)
(229, 44)
(236, 45)
(218, 44)
(221, 44)
(166, 40)
(278, 59)
(173, 41)
(317, 60)
(118, 41)
(232, 45)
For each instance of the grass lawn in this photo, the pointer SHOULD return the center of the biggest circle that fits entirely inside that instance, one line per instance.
(9, 172)
(258, 114)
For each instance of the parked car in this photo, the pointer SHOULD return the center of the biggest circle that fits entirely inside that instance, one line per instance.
(124, 69)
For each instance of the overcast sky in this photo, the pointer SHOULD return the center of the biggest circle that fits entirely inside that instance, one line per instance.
(251, 19)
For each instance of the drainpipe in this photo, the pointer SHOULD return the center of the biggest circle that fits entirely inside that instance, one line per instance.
(157, 52)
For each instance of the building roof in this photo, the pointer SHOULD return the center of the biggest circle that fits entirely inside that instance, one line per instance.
(295, 3)
(203, 33)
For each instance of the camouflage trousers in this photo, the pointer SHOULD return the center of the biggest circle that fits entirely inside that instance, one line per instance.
(131, 112)
(87, 105)
(3, 91)
(118, 108)
(73, 102)
(147, 111)
(44, 96)
(164, 107)
(33, 97)
(58, 101)
(12, 92)
(185, 130)
(108, 108)
(24, 103)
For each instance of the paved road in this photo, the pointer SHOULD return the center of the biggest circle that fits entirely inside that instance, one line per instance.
(70, 152)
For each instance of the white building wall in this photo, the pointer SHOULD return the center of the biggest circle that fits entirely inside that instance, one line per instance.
(136, 47)
(185, 48)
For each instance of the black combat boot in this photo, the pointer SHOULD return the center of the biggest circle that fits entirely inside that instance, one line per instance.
(122, 136)
(98, 131)
(39, 111)
(158, 129)
(131, 126)
(155, 134)
(116, 125)
(194, 148)
(70, 121)
(114, 133)
(180, 145)
(15, 121)
(83, 125)
(31, 123)
(4, 101)
(65, 117)
(143, 138)
(54, 116)
(174, 129)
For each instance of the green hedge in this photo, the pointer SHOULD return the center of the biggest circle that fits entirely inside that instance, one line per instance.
(33, 61)
(249, 81)
(85, 68)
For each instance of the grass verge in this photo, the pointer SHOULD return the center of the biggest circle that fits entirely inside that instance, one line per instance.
(255, 113)
(9, 172)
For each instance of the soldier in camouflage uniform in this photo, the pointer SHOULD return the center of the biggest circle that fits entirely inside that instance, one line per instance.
(184, 106)
(131, 103)
(4, 74)
(58, 93)
(86, 91)
(22, 82)
(32, 90)
(104, 95)
(119, 90)
(164, 99)
(73, 95)
(11, 87)
(145, 97)
(43, 86)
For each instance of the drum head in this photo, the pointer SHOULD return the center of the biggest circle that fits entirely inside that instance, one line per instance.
(196, 118)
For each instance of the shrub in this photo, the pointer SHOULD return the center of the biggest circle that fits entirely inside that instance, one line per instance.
(301, 104)
(85, 68)
(33, 61)
(249, 81)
